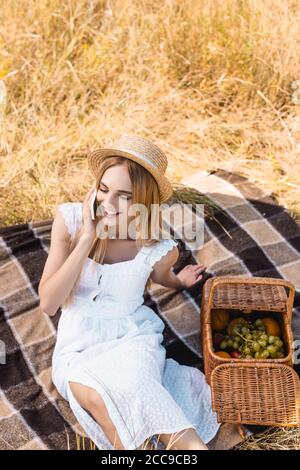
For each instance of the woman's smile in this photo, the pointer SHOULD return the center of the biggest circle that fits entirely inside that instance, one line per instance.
(110, 215)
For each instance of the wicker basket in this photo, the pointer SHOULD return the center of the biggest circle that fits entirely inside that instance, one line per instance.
(251, 391)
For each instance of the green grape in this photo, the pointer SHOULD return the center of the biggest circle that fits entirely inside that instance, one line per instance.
(258, 322)
(278, 343)
(230, 343)
(255, 346)
(272, 349)
(247, 350)
(271, 339)
(245, 330)
(248, 356)
(249, 336)
(265, 354)
(279, 355)
(262, 343)
(264, 337)
(223, 344)
(257, 355)
(235, 345)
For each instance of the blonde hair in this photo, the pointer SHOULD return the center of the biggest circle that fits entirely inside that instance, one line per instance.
(140, 179)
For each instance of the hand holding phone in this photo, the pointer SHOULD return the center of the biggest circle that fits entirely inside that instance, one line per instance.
(93, 204)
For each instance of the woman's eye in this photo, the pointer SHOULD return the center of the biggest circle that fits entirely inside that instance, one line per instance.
(123, 196)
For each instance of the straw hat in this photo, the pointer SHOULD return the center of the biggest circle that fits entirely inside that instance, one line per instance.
(141, 151)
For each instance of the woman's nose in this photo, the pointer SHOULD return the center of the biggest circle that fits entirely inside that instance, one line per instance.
(109, 201)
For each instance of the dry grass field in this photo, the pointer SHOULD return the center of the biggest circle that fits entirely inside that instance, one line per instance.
(210, 81)
(215, 83)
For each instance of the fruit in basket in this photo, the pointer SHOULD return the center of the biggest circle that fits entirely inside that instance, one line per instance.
(250, 339)
(223, 354)
(272, 326)
(219, 318)
(217, 340)
(235, 354)
(223, 344)
(235, 323)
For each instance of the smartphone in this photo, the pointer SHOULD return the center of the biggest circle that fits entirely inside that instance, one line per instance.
(93, 204)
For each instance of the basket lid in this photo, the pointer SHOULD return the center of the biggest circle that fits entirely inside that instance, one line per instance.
(249, 293)
(250, 296)
(263, 394)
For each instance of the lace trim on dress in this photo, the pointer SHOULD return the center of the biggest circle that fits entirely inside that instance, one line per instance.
(161, 249)
(71, 215)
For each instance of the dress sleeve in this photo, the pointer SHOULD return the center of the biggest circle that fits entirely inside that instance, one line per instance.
(72, 215)
(160, 249)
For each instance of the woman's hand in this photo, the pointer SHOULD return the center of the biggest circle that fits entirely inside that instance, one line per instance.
(191, 274)
(89, 225)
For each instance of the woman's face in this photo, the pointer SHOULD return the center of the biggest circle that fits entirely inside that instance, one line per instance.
(115, 195)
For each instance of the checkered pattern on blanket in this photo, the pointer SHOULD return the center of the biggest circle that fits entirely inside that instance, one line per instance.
(260, 239)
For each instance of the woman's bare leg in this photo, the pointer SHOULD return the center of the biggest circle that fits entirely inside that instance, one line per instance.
(187, 439)
(93, 403)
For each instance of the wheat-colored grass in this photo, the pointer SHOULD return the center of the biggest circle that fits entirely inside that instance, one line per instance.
(213, 82)
(83, 442)
(273, 439)
(208, 80)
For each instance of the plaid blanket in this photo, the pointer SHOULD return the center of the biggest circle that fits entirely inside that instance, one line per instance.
(260, 238)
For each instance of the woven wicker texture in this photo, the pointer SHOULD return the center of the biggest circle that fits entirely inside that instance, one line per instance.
(260, 394)
(251, 391)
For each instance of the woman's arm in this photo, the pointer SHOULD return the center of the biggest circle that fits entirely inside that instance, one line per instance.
(61, 268)
(163, 275)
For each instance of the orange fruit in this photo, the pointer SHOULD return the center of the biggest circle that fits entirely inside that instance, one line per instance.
(219, 318)
(272, 326)
(222, 354)
(233, 323)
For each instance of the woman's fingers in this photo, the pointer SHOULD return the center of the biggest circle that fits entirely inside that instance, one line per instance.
(89, 193)
(197, 267)
(87, 197)
(86, 202)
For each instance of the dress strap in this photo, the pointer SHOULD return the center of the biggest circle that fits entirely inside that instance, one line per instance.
(158, 250)
(72, 214)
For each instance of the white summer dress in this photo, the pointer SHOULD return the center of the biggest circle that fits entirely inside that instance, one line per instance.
(108, 340)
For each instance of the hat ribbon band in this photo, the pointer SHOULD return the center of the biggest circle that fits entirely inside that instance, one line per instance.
(141, 156)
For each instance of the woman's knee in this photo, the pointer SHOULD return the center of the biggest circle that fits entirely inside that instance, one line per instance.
(95, 400)
(87, 396)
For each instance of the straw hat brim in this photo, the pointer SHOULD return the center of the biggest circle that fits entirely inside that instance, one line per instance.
(164, 185)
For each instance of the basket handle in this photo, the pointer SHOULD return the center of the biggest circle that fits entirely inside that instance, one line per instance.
(220, 280)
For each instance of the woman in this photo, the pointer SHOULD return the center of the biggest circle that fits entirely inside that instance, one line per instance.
(108, 360)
